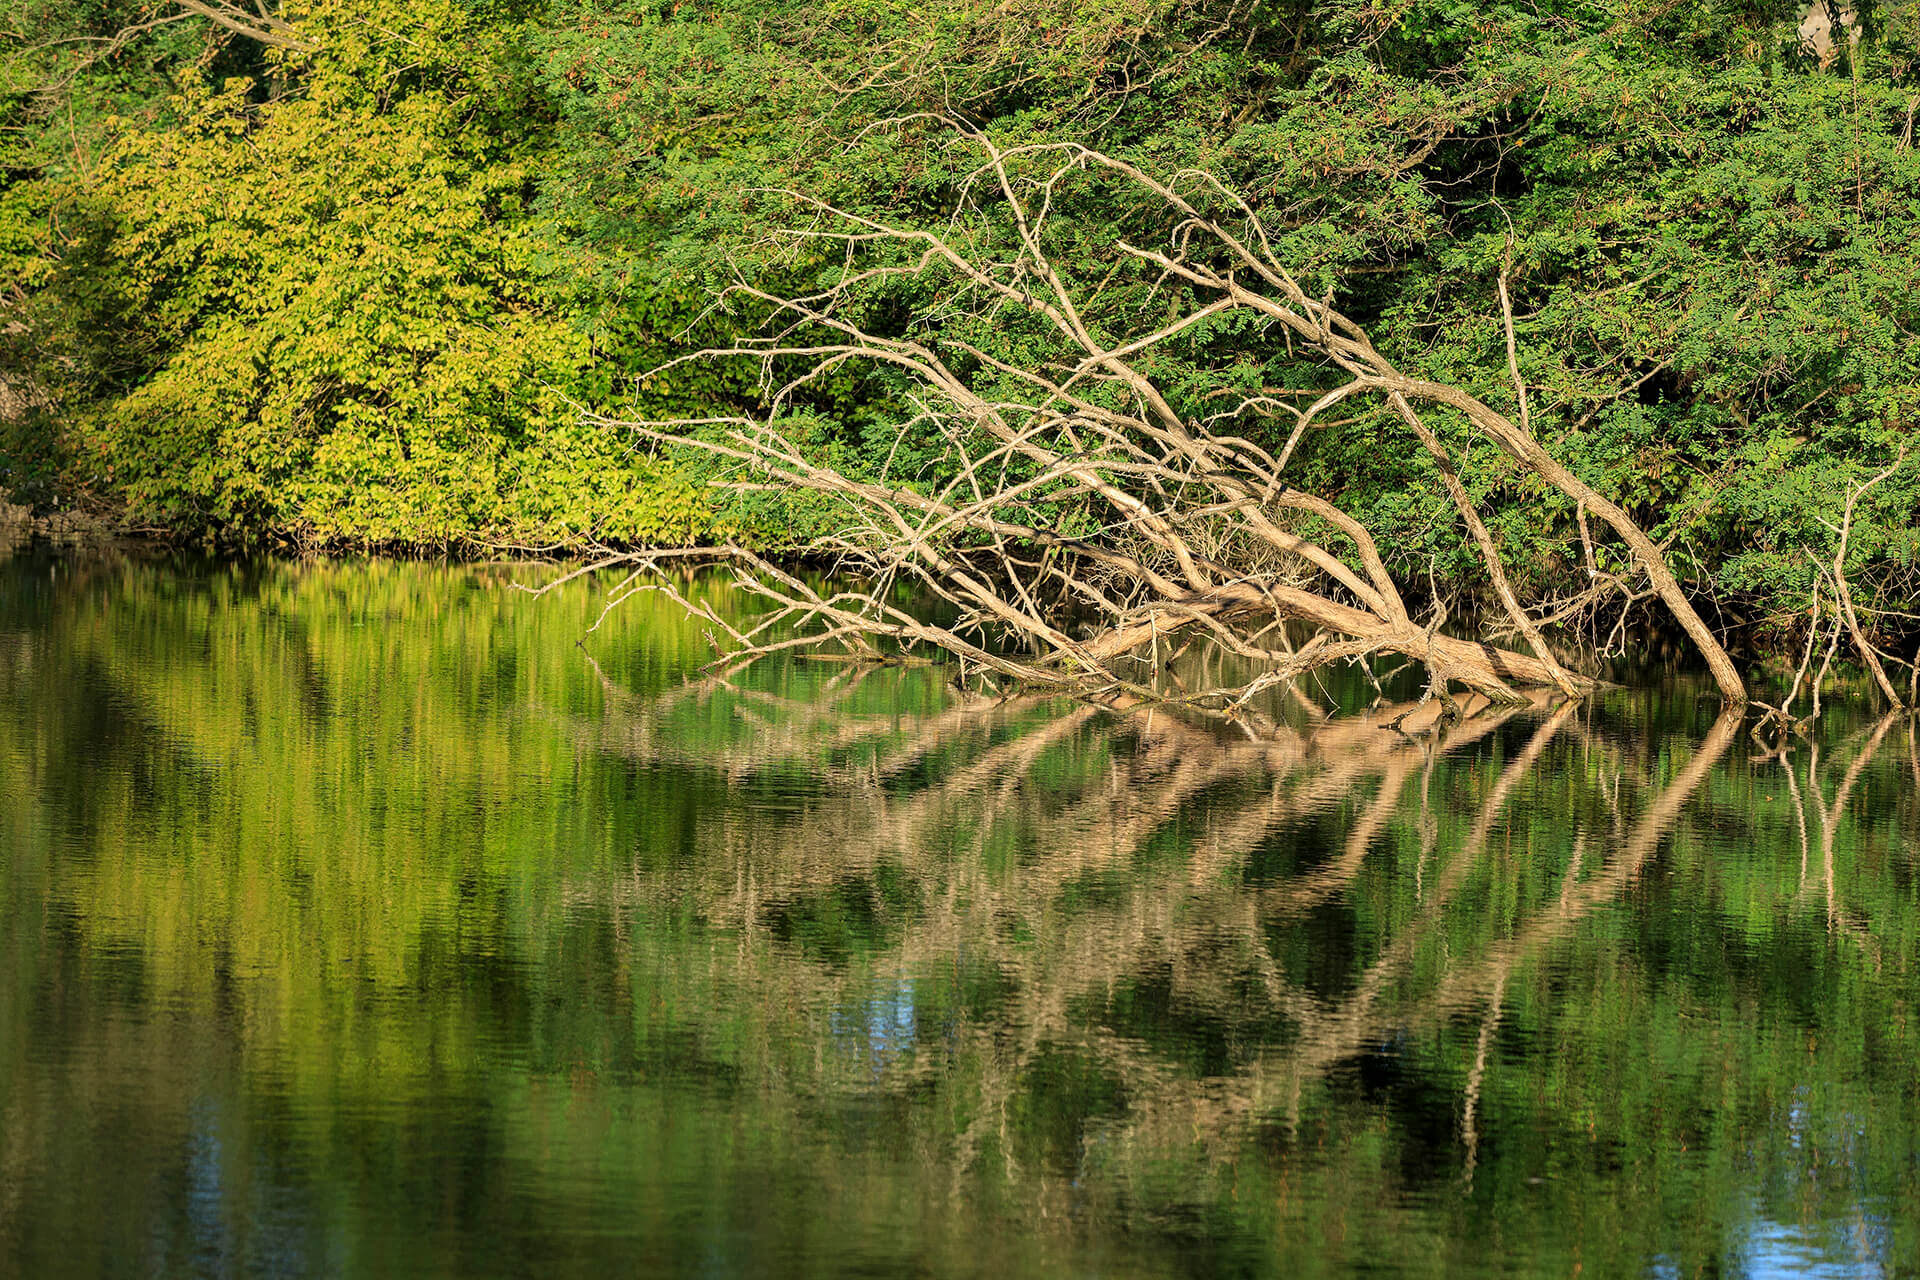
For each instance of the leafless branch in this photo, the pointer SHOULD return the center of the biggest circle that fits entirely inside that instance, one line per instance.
(1081, 514)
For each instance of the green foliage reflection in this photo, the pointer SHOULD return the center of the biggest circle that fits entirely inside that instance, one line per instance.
(357, 921)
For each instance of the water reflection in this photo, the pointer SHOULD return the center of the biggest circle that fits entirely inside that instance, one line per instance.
(360, 922)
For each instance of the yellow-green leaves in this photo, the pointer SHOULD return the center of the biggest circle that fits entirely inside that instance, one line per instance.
(359, 344)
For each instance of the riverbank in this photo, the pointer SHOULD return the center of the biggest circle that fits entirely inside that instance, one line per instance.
(1649, 656)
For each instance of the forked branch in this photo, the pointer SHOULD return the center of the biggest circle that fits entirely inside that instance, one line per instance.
(1080, 514)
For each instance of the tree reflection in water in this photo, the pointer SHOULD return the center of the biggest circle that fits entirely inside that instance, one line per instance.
(356, 923)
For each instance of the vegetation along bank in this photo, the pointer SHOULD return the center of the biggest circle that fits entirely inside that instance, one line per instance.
(1575, 312)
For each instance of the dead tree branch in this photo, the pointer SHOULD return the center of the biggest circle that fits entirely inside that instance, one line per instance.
(1844, 596)
(1081, 515)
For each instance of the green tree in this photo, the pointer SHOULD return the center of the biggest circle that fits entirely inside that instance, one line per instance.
(1707, 232)
(344, 281)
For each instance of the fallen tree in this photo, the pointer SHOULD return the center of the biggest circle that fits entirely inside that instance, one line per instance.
(1080, 505)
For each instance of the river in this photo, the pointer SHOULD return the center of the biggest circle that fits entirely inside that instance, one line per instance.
(375, 919)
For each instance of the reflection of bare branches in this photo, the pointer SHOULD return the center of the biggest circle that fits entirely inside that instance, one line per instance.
(1829, 816)
(1469, 1112)
(1334, 1034)
(1800, 817)
(1464, 985)
(1071, 855)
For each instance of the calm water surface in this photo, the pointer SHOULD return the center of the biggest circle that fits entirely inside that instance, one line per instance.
(356, 920)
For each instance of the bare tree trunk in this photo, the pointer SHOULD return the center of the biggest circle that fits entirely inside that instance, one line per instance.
(256, 22)
(1844, 594)
(1072, 482)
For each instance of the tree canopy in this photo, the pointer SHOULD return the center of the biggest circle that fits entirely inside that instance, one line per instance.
(372, 271)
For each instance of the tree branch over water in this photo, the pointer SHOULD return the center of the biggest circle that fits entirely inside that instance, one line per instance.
(1087, 517)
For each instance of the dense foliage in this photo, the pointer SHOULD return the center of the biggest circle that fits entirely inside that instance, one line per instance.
(359, 289)
(315, 300)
